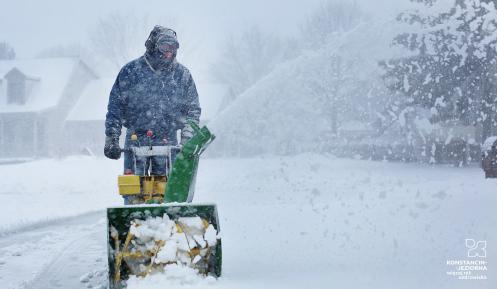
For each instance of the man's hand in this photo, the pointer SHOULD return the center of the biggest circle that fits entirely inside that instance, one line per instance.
(111, 148)
(185, 136)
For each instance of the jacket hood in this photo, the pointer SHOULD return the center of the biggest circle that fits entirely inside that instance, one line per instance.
(154, 57)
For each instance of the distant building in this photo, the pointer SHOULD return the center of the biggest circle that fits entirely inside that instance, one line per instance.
(85, 124)
(36, 96)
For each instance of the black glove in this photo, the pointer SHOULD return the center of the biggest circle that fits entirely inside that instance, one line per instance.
(111, 148)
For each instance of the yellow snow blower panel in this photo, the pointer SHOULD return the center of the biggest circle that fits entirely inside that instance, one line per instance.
(142, 189)
(129, 185)
(153, 185)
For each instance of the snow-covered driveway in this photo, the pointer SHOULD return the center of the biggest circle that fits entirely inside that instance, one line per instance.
(290, 222)
(56, 254)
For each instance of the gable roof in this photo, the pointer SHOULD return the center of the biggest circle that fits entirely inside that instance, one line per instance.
(53, 75)
(92, 104)
(15, 72)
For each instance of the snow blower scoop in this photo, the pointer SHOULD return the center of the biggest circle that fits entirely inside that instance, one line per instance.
(162, 227)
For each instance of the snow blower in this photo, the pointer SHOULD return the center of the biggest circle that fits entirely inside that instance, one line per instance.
(161, 227)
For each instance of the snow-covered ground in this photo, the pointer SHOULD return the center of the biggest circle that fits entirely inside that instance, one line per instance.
(45, 190)
(286, 222)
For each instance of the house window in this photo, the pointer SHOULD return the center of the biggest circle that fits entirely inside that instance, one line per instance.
(16, 91)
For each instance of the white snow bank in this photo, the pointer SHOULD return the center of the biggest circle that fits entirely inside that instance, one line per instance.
(49, 189)
(307, 221)
(175, 276)
(317, 221)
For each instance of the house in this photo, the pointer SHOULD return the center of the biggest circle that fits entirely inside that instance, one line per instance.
(84, 128)
(36, 96)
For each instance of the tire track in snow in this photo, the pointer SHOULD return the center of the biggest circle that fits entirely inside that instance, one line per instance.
(68, 269)
(47, 255)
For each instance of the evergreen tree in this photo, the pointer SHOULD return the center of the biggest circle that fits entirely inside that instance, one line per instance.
(453, 67)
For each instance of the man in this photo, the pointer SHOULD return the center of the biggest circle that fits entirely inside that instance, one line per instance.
(152, 97)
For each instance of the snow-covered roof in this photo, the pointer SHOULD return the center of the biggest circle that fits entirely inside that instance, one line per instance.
(15, 71)
(489, 142)
(92, 105)
(52, 74)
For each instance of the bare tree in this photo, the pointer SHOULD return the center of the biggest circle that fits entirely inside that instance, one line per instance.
(6, 51)
(329, 19)
(246, 59)
(119, 37)
(71, 50)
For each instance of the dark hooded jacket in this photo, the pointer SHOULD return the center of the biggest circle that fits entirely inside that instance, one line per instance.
(151, 93)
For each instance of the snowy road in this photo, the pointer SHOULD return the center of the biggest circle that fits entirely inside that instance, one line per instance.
(294, 222)
(53, 255)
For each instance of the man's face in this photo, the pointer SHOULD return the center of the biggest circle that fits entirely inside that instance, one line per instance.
(167, 49)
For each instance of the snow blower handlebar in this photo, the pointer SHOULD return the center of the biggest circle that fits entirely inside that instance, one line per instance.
(147, 151)
(181, 179)
(151, 150)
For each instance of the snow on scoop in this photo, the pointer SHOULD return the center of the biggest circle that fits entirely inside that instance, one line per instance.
(144, 239)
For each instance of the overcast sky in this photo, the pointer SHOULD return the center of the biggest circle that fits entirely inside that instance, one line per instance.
(32, 25)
